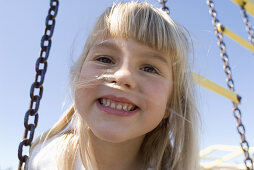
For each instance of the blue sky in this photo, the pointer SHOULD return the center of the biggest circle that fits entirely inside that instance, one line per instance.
(22, 25)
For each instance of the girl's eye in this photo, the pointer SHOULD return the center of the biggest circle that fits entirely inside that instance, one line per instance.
(150, 69)
(105, 59)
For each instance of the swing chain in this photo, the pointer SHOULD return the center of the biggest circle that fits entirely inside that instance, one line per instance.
(247, 23)
(36, 89)
(230, 83)
(164, 7)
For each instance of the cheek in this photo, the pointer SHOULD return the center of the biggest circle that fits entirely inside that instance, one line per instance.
(158, 92)
(89, 72)
(81, 102)
(156, 105)
(84, 92)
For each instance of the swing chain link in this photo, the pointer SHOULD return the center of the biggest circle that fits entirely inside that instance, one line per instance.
(247, 23)
(36, 89)
(230, 83)
(164, 7)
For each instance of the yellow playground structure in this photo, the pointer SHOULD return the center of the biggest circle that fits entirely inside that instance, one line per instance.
(222, 157)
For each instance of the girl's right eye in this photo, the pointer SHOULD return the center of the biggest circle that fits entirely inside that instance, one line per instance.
(104, 59)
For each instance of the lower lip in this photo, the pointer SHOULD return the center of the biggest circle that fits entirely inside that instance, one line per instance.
(115, 112)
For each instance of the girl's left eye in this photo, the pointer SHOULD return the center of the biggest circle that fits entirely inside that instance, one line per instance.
(150, 69)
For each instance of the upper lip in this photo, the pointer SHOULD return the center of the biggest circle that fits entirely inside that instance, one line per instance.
(118, 99)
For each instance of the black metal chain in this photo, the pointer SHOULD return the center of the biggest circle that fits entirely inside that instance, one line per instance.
(247, 23)
(230, 83)
(164, 7)
(41, 68)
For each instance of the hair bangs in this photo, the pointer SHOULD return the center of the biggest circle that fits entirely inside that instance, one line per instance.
(146, 24)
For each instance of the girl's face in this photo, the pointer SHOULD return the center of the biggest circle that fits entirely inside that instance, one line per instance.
(116, 115)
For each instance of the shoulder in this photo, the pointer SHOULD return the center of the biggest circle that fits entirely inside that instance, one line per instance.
(43, 156)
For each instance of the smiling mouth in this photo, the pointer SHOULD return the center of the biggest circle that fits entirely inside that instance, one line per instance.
(121, 106)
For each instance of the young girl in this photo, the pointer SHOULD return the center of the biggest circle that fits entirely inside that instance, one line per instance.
(133, 96)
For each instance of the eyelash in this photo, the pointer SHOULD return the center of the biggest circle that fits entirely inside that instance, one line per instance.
(153, 71)
(105, 59)
(108, 60)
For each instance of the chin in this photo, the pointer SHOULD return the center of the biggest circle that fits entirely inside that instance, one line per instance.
(110, 136)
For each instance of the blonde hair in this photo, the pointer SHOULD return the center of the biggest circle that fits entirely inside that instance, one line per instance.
(173, 143)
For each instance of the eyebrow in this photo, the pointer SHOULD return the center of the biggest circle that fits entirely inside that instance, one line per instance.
(106, 44)
(156, 56)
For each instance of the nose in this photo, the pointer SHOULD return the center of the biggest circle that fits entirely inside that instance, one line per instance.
(124, 77)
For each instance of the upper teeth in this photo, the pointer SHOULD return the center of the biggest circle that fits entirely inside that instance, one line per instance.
(117, 105)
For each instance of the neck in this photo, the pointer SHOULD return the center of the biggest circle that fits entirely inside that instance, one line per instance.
(117, 156)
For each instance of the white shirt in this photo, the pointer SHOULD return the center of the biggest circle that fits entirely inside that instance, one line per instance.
(43, 157)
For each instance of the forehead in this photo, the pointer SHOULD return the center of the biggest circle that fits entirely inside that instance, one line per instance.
(121, 43)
